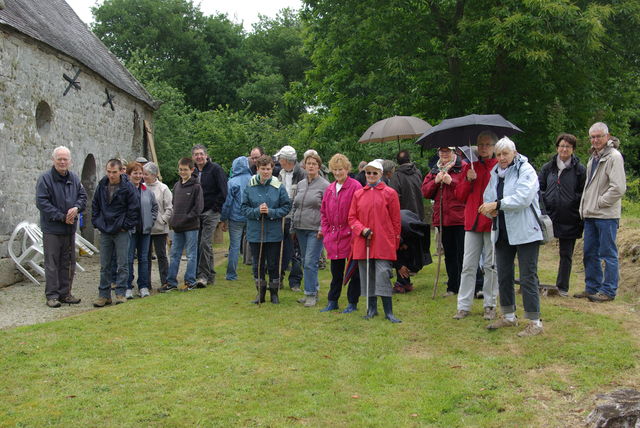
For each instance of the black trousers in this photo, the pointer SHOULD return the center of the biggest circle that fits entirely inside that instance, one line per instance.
(337, 277)
(566, 261)
(453, 245)
(270, 261)
(159, 245)
(59, 264)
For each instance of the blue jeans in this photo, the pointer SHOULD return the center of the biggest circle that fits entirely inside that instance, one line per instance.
(110, 244)
(311, 248)
(139, 245)
(187, 241)
(599, 245)
(235, 240)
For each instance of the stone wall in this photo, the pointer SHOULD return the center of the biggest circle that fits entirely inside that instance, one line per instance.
(35, 118)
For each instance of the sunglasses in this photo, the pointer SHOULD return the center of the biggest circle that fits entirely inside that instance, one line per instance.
(372, 173)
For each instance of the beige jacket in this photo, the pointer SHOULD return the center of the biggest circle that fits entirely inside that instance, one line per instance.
(164, 198)
(602, 196)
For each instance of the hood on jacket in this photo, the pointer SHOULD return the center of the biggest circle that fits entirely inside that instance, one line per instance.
(517, 163)
(407, 168)
(613, 142)
(239, 166)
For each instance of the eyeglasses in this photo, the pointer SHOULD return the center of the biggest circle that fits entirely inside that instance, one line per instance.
(372, 173)
(562, 146)
(596, 137)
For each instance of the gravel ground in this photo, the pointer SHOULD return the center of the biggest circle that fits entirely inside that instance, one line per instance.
(24, 303)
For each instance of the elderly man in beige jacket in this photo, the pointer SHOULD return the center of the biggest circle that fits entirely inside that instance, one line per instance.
(600, 208)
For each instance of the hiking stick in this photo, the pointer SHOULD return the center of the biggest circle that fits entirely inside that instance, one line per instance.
(439, 244)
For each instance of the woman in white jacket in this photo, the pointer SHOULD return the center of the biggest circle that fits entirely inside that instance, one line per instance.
(511, 199)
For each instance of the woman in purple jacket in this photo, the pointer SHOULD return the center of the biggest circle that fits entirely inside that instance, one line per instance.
(334, 214)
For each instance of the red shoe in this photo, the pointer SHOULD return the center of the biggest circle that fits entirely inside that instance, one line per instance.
(397, 288)
(408, 287)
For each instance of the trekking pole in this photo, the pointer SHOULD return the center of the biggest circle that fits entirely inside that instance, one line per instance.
(260, 259)
(280, 259)
(439, 244)
(368, 244)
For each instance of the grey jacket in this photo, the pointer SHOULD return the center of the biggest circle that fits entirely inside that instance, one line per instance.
(602, 196)
(305, 213)
(164, 198)
(148, 209)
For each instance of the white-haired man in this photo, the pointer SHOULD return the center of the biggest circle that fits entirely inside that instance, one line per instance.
(60, 197)
(600, 207)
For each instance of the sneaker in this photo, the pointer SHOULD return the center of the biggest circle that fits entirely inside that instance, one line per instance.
(101, 302)
(582, 295)
(449, 293)
(200, 283)
(70, 300)
(144, 292)
(311, 301)
(601, 298)
(563, 293)
(167, 287)
(531, 329)
(186, 287)
(295, 289)
(303, 299)
(489, 313)
(120, 299)
(192, 286)
(128, 294)
(461, 314)
(479, 294)
(502, 322)
(53, 303)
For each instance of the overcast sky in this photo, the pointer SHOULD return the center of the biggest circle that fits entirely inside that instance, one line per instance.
(245, 11)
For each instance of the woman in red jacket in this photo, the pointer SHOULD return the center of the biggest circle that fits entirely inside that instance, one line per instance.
(440, 185)
(477, 236)
(374, 218)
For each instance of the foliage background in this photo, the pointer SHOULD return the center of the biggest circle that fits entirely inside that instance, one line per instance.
(320, 76)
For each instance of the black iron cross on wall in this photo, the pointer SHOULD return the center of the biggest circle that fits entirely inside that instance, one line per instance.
(109, 99)
(72, 82)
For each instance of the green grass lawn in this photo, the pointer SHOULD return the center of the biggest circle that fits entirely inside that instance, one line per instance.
(209, 358)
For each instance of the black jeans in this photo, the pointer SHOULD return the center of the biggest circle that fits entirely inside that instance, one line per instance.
(159, 245)
(337, 277)
(453, 245)
(528, 266)
(291, 254)
(566, 261)
(269, 262)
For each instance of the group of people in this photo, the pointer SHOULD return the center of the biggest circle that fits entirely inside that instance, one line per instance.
(371, 225)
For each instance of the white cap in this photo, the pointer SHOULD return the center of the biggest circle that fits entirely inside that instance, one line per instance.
(288, 153)
(374, 164)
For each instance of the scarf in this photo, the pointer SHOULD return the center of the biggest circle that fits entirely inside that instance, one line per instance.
(562, 165)
(442, 167)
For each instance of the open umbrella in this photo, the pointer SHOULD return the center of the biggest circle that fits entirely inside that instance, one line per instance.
(463, 131)
(394, 128)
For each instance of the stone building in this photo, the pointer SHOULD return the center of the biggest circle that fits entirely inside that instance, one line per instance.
(59, 85)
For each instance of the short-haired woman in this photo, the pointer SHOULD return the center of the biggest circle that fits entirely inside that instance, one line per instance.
(511, 199)
(264, 204)
(561, 184)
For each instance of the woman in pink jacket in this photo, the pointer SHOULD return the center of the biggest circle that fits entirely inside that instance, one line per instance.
(334, 216)
(374, 218)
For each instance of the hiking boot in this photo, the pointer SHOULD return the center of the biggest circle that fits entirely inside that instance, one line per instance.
(601, 298)
(120, 299)
(186, 287)
(274, 295)
(398, 289)
(461, 314)
(489, 313)
(144, 292)
(502, 322)
(311, 301)
(200, 283)
(128, 294)
(408, 287)
(532, 329)
(53, 303)
(582, 295)
(167, 287)
(101, 302)
(70, 300)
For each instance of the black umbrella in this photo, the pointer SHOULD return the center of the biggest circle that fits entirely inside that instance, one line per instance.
(463, 131)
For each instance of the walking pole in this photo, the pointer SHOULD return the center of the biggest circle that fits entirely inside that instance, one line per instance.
(280, 260)
(260, 258)
(368, 244)
(439, 244)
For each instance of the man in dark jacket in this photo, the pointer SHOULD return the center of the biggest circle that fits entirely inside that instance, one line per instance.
(407, 181)
(115, 212)
(60, 197)
(213, 181)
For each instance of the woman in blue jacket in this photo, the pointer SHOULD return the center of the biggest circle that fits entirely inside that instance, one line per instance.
(511, 199)
(265, 204)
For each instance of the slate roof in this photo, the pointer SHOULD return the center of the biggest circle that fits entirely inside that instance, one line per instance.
(54, 23)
